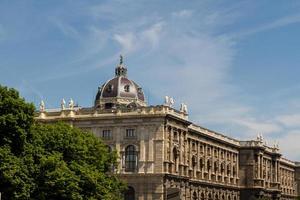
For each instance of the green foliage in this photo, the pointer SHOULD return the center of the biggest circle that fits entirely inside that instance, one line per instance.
(16, 118)
(39, 161)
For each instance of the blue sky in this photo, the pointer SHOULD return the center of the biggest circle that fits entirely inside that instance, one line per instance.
(234, 63)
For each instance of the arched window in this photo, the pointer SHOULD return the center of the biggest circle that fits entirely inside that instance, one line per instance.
(175, 158)
(194, 161)
(175, 154)
(210, 197)
(195, 196)
(109, 88)
(109, 148)
(208, 165)
(228, 170)
(130, 159)
(233, 171)
(201, 163)
(217, 197)
(129, 194)
(216, 166)
(202, 196)
(127, 88)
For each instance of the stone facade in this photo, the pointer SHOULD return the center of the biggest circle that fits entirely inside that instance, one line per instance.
(163, 155)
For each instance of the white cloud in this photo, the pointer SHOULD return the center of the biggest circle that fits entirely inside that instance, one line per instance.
(292, 120)
(147, 38)
(127, 41)
(260, 126)
(183, 13)
(289, 144)
(153, 33)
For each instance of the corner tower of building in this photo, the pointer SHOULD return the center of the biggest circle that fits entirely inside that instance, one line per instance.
(120, 92)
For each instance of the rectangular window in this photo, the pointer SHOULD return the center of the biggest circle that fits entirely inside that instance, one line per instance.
(106, 134)
(130, 133)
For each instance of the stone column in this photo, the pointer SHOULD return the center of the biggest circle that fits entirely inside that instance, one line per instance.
(258, 166)
(190, 155)
(142, 152)
(198, 156)
(276, 171)
(171, 155)
(210, 167)
(186, 154)
(237, 166)
(261, 166)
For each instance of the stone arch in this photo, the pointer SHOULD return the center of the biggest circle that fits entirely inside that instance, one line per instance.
(129, 194)
(201, 163)
(208, 165)
(209, 196)
(109, 148)
(175, 157)
(222, 197)
(202, 196)
(175, 153)
(216, 166)
(195, 196)
(194, 161)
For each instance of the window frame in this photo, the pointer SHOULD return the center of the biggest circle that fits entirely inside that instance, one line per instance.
(130, 133)
(106, 134)
(130, 158)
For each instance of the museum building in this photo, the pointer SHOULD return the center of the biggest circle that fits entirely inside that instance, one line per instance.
(163, 155)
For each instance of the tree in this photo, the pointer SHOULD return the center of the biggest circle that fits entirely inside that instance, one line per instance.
(40, 161)
(16, 118)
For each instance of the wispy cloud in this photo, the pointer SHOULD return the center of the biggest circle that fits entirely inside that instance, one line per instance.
(146, 38)
(127, 41)
(68, 30)
(292, 120)
(278, 23)
(255, 126)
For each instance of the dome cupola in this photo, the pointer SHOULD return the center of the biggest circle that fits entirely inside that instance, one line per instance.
(120, 92)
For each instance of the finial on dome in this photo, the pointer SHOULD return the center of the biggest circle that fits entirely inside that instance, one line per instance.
(121, 59)
(121, 70)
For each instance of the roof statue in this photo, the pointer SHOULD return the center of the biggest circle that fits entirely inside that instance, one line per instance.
(183, 108)
(71, 104)
(276, 145)
(42, 106)
(63, 104)
(259, 137)
(167, 100)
